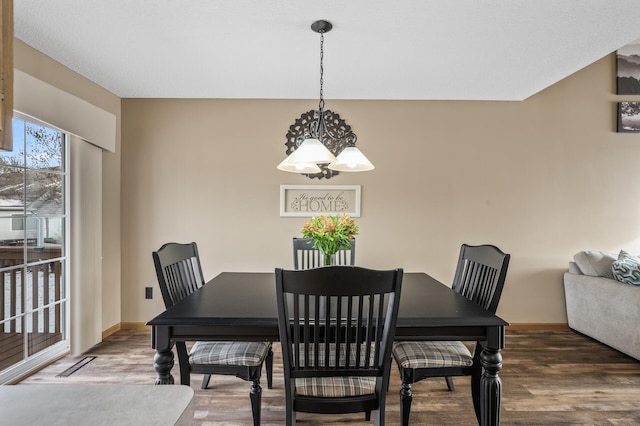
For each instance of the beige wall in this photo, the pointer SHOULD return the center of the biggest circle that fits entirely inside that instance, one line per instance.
(44, 68)
(541, 179)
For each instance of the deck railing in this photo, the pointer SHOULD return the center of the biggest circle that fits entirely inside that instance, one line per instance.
(31, 297)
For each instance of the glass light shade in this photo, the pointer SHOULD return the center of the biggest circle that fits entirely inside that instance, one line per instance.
(351, 159)
(311, 151)
(309, 168)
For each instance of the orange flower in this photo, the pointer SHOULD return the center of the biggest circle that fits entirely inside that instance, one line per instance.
(330, 233)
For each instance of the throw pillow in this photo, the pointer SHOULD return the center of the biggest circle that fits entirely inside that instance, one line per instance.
(627, 268)
(595, 263)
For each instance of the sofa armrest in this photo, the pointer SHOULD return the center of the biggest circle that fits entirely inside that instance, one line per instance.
(604, 309)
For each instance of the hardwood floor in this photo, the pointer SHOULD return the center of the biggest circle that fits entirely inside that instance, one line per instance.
(549, 378)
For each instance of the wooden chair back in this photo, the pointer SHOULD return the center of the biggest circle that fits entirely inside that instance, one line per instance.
(480, 274)
(307, 257)
(179, 271)
(337, 321)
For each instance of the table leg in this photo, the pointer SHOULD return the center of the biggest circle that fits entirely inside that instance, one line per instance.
(163, 363)
(490, 387)
(163, 359)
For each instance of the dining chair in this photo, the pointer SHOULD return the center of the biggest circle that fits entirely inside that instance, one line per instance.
(479, 276)
(180, 274)
(338, 362)
(307, 257)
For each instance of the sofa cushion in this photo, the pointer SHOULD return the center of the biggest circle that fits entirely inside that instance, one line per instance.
(627, 268)
(595, 263)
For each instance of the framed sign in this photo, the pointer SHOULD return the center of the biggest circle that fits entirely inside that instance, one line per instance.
(314, 200)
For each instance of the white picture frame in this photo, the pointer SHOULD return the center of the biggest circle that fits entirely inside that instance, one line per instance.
(315, 200)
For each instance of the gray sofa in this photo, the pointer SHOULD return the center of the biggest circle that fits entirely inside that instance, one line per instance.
(600, 306)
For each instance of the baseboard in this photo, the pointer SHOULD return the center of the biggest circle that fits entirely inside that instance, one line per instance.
(538, 326)
(109, 331)
(134, 326)
(124, 326)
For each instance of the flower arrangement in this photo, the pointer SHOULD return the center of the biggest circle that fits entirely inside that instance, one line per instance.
(330, 233)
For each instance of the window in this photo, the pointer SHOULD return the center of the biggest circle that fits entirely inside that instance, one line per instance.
(17, 223)
(33, 249)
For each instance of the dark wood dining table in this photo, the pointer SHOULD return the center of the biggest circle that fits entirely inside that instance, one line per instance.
(242, 306)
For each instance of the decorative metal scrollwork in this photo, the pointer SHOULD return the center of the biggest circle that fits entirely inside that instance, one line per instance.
(332, 130)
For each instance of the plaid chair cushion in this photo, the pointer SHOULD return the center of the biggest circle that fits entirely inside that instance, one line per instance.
(432, 354)
(228, 353)
(335, 387)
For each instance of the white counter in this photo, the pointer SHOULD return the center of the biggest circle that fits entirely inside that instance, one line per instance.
(96, 405)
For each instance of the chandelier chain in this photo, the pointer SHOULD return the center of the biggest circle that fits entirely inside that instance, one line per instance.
(321, 104)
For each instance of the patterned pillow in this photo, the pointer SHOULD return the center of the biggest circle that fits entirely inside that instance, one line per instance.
(627, 268)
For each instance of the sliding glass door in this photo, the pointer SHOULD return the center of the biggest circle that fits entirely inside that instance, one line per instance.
(33, 246)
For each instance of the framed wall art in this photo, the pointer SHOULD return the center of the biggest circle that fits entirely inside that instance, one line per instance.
(628, 69)
(314, 200)
(628, 117)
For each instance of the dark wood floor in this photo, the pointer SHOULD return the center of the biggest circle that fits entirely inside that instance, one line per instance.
(549, 378)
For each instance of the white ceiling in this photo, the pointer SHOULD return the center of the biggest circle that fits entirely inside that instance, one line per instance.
(378, 49)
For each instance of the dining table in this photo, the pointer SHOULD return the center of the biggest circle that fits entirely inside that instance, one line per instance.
(242, 306)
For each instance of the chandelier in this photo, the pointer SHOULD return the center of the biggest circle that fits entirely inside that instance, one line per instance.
(324, 144)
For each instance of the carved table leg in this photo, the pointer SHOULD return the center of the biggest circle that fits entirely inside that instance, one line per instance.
(490, 387)
(405, 402)
(163, 363)
(256, 401)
